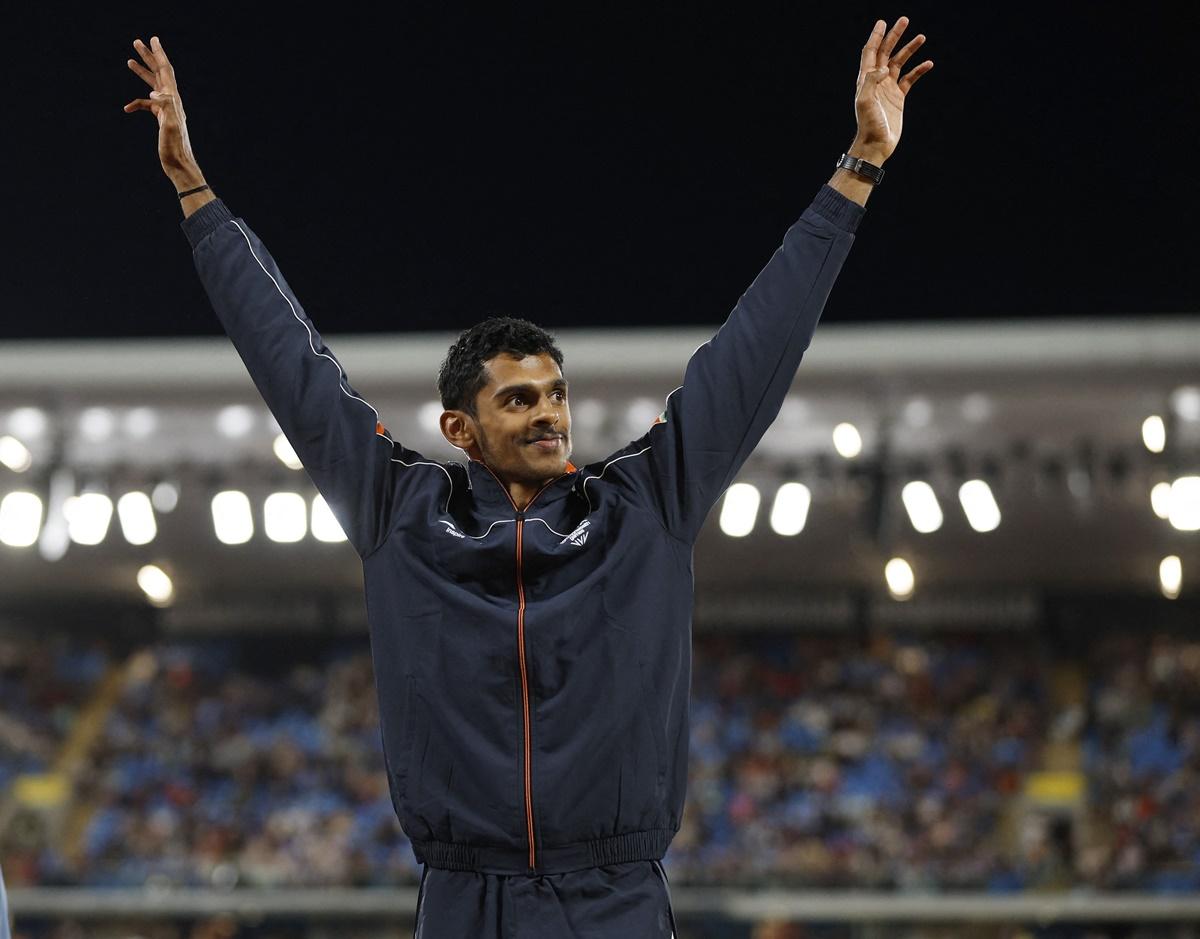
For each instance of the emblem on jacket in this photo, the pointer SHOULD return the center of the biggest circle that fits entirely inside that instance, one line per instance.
(579, 536)
(451, 530)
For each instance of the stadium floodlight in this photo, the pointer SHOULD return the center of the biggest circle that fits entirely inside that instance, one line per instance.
(232, 519)
(739, 510)
(325, 526)
(14, 454)
(20, 519)
(983, 514)
(1185, 503)
(87, 517)
(140, 423)
(1160, 499)
(234, 421)
(1154, 433)
(1185, 401)
(847, 441)
(97, 424)
(287, 456)
(1170, 576)
(900, 579)
(164, 497)
(285, 517)
(137, 518)
(156, 584)
(27, 423)
(429, 417)
(922, 506)
(789, 511)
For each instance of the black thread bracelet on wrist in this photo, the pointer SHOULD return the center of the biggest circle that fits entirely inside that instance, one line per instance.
(192, 192)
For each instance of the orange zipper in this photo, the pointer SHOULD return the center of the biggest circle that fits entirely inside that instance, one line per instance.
(521, 657)
(525, 694)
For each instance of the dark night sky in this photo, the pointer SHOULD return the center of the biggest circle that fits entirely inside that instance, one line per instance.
(584, 166)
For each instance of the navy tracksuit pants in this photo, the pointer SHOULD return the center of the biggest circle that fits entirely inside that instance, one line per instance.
(619, 901)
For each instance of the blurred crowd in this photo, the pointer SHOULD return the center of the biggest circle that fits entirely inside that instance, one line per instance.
(878, 763)
(821, 761)
(44, 681)
(1142, 749)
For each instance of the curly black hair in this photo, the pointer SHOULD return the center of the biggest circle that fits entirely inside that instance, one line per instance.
(462, 374)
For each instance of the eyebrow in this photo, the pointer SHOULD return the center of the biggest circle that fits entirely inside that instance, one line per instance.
(558, 383)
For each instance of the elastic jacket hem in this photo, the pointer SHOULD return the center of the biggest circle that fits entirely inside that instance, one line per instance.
(648, 845)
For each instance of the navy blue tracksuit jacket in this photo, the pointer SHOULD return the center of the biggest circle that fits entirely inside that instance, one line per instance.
(533, 667)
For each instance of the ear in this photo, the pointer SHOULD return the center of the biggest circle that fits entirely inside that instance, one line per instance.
(459, 428)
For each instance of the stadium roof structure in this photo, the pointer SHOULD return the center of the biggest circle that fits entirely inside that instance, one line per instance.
(1050, 415)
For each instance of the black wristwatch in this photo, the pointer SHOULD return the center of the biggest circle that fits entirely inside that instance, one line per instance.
(861, 167)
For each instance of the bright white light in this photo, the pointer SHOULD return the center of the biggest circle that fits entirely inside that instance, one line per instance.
(97, 424)
(287, 456)
(285, 517)
(1185, 503)
(27, 423)
(1170, 576)
(164, 497)
(1154, 433)
(325, 526)
(847, 441)
(137, 518)
(87, 517)
(918, 412)
(1186, 402)
(140, 423)
(429, 416)
(588, 414)
(739, 510)
(1160, 499)
(790, 510)
(156, 584)
(922, 506)
(14, 454)
(642, 414)
(236, 420)
(232, 520)
(899, 577)
(20, 519)
(979, 504)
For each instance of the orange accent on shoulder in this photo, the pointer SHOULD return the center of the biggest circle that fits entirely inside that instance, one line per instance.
(571, 468)
(380, 429)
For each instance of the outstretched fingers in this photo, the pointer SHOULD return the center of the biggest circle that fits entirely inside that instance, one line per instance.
(898, 60)
(870, 51)
(911, 78)
(142, 72)
(889, 42)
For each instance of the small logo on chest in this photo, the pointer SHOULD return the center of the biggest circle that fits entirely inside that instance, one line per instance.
(451, 530)
(579, 536)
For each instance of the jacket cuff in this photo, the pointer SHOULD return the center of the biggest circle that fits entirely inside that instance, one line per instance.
(201, 223)
(832, 206)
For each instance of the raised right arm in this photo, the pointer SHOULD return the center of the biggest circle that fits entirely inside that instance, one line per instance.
(353, 461)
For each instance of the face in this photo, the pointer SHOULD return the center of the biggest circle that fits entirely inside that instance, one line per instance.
(523, 427)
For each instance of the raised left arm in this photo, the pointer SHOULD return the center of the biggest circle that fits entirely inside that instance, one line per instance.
(735, 383)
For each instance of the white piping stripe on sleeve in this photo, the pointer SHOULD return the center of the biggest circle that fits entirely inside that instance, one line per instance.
(605, 470)
(337, 364)
(666, 404)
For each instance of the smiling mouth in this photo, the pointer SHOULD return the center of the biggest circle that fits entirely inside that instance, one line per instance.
(547, 443)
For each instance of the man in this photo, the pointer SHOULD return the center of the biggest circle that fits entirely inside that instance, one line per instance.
(530, 620)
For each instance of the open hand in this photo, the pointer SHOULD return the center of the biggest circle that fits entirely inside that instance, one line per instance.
(174, 147)
(881, 90)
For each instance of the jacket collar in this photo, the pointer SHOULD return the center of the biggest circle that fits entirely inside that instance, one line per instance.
(491, 495)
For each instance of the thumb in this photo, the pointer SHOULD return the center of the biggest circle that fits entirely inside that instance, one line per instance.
(876, 75)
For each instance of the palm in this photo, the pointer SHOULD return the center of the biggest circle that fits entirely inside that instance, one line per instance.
(881, 90)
